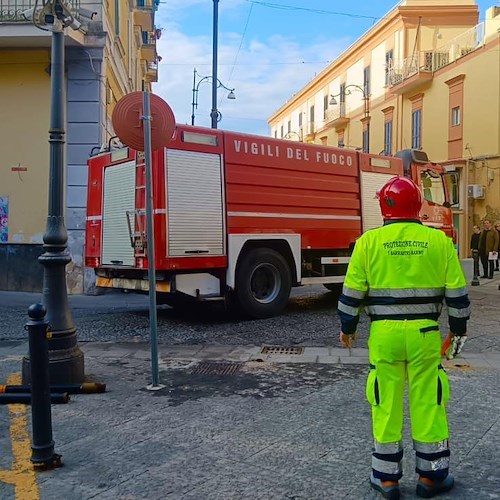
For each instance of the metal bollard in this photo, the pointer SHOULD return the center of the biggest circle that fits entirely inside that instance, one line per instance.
(475, 278)
(42, 449)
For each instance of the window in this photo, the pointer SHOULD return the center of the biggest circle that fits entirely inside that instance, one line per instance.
(282, 131)
(388, 138)
(325, 106)
(342, 93)
(289, 126)
(455, 116)
(452, 182)
(432, 187)
(117, 17)
(389, 58)
(366, 139)
(275, 134)
(340, 139)
(300, 119)
(311, 119)
(416, 129)
(366, 81)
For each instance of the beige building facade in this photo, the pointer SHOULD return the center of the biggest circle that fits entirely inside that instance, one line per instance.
(427, 76)
(111, 53)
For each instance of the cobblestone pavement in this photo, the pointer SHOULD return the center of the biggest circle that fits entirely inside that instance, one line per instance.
(310, 319)
(233, 422)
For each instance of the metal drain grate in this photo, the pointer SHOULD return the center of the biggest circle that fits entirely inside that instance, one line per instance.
(276, 349)
(216, 368)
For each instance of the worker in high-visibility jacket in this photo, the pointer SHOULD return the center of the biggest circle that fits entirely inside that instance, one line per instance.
(400, 273)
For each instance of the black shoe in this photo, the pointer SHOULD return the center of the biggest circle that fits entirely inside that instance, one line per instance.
(429, 489)
(389, 489)
(484, 277)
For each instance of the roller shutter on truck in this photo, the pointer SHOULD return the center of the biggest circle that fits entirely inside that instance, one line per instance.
(119, 198)
(195, 204)
(370, 208)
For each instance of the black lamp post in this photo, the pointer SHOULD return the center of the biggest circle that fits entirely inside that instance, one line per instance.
(66, 362)
(194, 103)
(347, 90)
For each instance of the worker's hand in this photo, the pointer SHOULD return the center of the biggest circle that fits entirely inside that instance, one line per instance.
(347, 340)
(453, 345)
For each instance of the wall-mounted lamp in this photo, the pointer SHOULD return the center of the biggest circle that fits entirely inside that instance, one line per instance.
(347, 91)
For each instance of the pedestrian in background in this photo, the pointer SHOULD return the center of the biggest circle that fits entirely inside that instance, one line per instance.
(497, 227)
(488, 242)
(401, 273)
(474, 247)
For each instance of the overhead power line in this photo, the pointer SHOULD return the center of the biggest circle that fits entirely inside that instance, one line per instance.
(244, 64)
(316, 11)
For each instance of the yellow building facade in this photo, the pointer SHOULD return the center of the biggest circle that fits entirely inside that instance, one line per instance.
(427, 76)
(111, 52)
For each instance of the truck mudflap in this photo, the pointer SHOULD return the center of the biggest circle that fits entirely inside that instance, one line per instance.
(132, 284)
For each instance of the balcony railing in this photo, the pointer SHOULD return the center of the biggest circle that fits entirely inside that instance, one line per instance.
(144, 4)
(11, 11)
(432, 60)
(338, 111)
(458, 47)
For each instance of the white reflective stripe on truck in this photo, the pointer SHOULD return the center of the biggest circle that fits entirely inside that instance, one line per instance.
(294, 216)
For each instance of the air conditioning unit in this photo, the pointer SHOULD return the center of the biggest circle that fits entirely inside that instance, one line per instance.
(476, 191)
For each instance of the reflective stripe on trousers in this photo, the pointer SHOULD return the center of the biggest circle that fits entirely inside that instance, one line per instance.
(401, 350)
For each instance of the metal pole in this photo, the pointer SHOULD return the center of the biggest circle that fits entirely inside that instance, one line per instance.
(194, 104)
(42, 447)
(475, 277)
(155, 385)
(214, 114)
(66, 363)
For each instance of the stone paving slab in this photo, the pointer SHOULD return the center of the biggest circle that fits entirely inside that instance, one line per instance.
(273, 430)
(234, 353)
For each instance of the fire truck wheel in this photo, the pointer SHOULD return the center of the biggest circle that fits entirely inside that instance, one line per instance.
(263, 283)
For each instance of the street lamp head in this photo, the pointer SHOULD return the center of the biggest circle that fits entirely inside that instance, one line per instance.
(231, 94)
(333, 101)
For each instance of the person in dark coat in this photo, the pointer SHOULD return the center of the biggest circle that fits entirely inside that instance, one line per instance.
(474, 247)
(488, 242)
(497, 227)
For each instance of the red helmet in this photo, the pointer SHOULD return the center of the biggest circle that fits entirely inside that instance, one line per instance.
(400, 198)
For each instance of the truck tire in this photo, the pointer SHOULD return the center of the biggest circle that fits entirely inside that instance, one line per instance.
(263, 283)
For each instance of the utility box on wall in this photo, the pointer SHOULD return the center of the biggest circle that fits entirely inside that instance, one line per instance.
(476, 191)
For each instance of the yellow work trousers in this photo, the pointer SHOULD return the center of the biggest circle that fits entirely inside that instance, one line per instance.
(410, 350)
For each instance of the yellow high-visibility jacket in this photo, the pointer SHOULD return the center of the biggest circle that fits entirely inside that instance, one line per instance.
(404, 270)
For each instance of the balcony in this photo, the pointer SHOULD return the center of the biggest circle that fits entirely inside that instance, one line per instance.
(409, 73)
(148, 47)
(142, 14)
(152, 71)
(11, 10)
(412, 72)
(337, 117)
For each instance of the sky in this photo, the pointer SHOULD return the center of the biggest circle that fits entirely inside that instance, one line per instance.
(267, 51)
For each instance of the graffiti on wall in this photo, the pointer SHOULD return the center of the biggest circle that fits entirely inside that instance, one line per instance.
(4, 219)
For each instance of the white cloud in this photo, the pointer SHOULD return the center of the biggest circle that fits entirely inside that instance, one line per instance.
(267, 72)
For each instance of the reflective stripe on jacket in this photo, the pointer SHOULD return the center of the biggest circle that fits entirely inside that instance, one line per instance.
(404, 270)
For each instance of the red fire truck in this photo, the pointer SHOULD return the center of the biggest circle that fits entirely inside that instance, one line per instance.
(242, 218)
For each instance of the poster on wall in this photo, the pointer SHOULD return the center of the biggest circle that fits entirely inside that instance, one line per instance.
(4, 219)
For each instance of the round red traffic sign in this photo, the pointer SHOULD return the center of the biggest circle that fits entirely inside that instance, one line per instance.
(129, 125)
